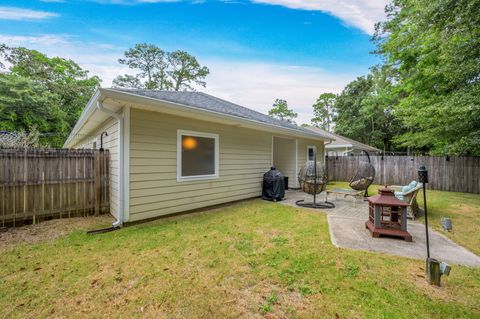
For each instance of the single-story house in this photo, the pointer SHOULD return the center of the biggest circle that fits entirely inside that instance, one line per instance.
(173, 152)
(341, 145)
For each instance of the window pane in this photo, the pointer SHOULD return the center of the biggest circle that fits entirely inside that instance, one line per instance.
(198, 155)
(310, 154)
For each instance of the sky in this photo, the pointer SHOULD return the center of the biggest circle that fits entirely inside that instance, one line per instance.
(256, 50)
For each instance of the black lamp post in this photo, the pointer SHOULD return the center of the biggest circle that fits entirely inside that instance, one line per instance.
(423, 178)
(434, 268)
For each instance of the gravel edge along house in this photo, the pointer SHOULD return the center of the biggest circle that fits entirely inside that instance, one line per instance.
(173, 152)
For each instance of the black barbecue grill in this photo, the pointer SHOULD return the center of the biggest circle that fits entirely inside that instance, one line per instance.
(273, 185)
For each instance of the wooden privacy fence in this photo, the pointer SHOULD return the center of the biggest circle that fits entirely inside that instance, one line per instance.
(454, 174)
(38, 184)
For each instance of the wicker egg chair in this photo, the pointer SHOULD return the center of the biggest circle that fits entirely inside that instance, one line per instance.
(310, 182)
(312, 179)
(364, 176)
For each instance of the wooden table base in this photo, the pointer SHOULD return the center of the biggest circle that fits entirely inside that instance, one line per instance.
(377, 232)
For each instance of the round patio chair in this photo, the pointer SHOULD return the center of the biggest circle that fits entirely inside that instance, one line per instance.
(312, 178)
(364, 175)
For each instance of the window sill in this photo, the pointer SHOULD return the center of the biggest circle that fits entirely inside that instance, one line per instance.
(196, 178)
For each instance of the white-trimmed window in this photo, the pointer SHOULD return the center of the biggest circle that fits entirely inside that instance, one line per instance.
(311, 150)
(197, 155)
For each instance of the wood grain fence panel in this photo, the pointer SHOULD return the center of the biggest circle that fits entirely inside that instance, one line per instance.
(454, 174)
(38, 184)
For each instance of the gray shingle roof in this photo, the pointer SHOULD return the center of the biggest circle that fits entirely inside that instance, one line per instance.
(211, 103)
(342, 140)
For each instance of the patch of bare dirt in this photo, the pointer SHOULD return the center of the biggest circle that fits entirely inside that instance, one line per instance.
(417, 276)
(271, 301)
(49, 230)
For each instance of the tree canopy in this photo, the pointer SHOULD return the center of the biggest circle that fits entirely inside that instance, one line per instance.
(426, 93)
(281, 111)
(47, 94)
(435, 48)
(160, 70)
(324, 111)
(365, 110)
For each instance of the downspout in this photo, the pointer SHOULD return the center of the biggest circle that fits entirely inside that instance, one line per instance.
(325, 149)
(325, 156)
(120, 118)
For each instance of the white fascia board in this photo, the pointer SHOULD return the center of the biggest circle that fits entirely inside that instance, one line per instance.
(86, 113)
(191, 111)
(333, 146)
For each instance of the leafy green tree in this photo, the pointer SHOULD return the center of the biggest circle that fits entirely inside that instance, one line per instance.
(366, 109)
(435, 46)
(349, 120)
(324, 110)
(3, 54)
(70, 86)
(160, 70)
(152, 63)
(42, 92)
(185, 71)
(26, 104)
(281, 111)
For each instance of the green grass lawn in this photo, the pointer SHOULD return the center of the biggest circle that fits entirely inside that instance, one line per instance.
(462, 208)
(250, 260)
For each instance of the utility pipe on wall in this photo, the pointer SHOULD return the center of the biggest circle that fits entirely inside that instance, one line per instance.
(120, 118)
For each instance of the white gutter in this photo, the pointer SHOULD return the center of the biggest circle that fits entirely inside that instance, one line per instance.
(339, 145)
(120, 118)
(139, 99)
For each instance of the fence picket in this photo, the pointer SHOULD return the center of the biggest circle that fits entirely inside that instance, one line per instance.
(454, 174)
(38, 184)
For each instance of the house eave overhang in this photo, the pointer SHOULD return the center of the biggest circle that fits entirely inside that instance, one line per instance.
(163, 106)
(332, 146)
(84, 116)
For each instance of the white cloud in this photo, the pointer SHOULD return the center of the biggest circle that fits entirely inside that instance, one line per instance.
(13, 13)
(100, 59)
(362, 14)
(133, 2)
(252, 84)
(28, 41)
(257, 85)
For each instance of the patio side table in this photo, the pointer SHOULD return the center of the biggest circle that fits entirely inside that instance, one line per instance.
(346, 192)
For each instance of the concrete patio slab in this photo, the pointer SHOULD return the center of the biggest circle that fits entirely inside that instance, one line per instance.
(347, 230)
(351, 233)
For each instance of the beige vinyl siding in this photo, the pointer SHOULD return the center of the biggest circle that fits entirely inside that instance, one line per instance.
(110, 142)
(284, 158)
(302, 148)
(244, 155)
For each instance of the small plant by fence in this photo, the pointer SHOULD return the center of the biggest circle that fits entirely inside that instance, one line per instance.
(38, 184)
(454, 174)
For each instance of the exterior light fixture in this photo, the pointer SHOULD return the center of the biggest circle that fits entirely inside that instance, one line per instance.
(423, 178)
(101, 140)
(434, 268)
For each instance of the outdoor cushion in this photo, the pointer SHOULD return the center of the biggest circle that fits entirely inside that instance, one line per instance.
(359, 182)
(409, 187)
